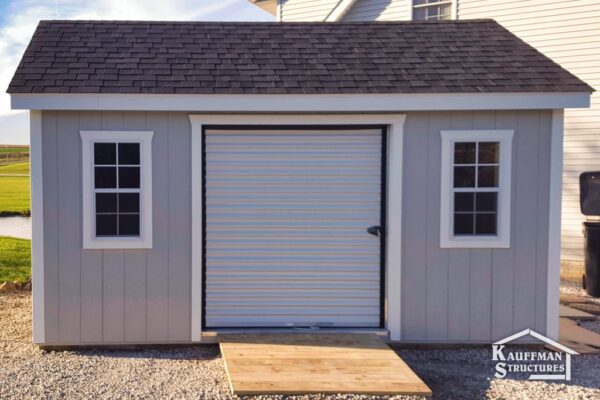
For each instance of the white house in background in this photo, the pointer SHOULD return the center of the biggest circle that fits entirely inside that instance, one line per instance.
(566, 31)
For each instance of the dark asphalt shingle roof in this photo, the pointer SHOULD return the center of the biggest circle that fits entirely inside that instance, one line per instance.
(282, 58)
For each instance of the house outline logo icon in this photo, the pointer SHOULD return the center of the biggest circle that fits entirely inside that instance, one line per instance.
(533, 356)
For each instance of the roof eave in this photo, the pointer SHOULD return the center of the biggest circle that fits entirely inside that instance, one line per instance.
(301, 103)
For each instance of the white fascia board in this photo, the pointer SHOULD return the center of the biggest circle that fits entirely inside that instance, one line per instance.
(310, 103)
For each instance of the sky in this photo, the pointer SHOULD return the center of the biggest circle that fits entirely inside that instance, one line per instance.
(18, 19)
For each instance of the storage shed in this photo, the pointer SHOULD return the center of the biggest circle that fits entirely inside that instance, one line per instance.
(191, 178)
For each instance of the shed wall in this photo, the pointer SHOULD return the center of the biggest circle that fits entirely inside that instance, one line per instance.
(143, 296)
(116, 296)
(478, 295)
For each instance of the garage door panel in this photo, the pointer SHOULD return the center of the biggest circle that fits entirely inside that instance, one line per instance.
(286, 219)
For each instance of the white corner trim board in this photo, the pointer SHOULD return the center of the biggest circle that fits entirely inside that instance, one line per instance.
(144, 240)
(37, 226)
(447, 237)
(318, 103)
(395, 124)
(554, 215)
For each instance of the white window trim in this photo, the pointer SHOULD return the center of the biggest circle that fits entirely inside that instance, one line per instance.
(453, 8)
(90, 241)
(447, 237)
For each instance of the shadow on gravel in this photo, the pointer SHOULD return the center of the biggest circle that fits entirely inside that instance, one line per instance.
(199, 352)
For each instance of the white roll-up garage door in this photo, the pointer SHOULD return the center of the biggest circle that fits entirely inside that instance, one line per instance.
(287, 213)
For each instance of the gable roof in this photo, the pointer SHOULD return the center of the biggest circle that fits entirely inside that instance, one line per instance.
(284, 58)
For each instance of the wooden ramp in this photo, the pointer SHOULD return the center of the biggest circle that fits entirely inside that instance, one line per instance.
(316, 363)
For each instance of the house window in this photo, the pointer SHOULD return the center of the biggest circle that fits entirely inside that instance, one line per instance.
(117, 189)
(475, 192)
(432, 10)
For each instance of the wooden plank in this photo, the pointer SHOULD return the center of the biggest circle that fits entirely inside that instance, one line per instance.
(69, 227)
(437, 258)
(316, 363)
(568, 312)
(180, 229)
(91, 265)
(113, 269)
(414, 230)
(526, 211)
(459, 266)
(135, 265)
(578, 338)
(157, 257)
(503, 259)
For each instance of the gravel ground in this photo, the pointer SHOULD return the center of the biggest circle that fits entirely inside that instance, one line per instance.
(575, 289)
(197, 372)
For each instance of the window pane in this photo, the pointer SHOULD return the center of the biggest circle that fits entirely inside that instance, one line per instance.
(105, 177)
(420, 14)
(487, 202)
(129, 225)
(489, 152)
(129, 153)
(464, 177)
(129, 177)
(106, 225)
(464, 202)
(129, 202)
(485, 224)
(487, 177)
(106, 202)
(463, 224)
(464, 153)
(443, 12)
(105, 153)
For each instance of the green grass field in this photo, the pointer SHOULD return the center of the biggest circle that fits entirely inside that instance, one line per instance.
(15, 259)
(14, 149)
(14, 190)
(16, 168)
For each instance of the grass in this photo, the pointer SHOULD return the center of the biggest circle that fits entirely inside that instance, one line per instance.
(14, 190)
(14, 149)
(15, 259)
(21, 168)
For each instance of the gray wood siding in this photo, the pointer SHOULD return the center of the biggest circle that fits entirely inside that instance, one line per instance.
(117, 296)
(478, 295)
(143, 296)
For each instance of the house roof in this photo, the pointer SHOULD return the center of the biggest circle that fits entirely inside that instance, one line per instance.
(284, 58)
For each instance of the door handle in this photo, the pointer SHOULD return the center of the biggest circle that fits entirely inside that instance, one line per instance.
(374, 230)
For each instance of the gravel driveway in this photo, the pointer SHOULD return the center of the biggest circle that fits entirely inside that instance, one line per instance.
(197, 372)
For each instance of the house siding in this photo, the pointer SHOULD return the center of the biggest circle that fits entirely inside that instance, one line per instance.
(569, 33)
(566, 31)
(116, 296)
(306, 10)
(379, 10)
(474, 295)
